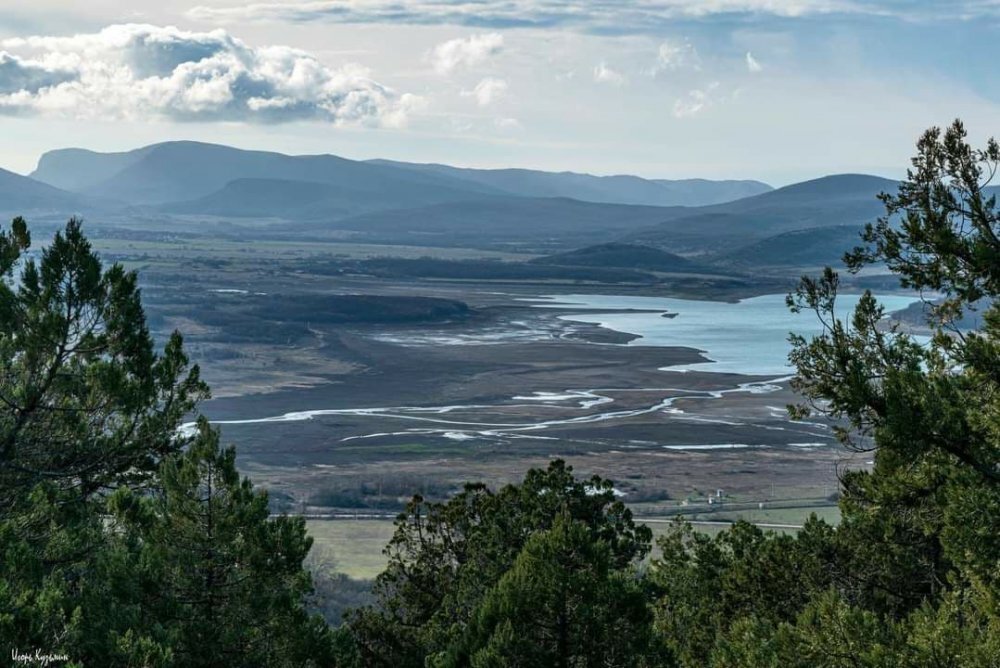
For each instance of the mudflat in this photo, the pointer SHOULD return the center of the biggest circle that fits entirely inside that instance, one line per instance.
(484, 399)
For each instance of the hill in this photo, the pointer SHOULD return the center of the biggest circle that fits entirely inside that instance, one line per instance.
(562, 223)
(814, 247)
(78, 169)
(618, 189)
(624, 256)
(186, 171)
(303, 201)
(24, 195)
(845, 199)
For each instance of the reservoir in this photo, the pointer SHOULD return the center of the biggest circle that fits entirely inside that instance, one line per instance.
(746, 337)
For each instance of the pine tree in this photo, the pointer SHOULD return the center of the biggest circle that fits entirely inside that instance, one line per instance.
(124, 541)
(562, 604)
(86, 406)
(444, 558)
(910, 576)
(224, 581)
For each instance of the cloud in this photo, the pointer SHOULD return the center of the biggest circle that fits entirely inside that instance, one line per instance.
(598, 16)
(465, 52)
(508, 124)
(19, 75)
(752, 64)
(605, 74)
(695, 101)
(142, 71)
(675, 55)
(487, 91)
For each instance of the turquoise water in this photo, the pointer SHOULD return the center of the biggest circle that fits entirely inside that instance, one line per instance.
(747, 337)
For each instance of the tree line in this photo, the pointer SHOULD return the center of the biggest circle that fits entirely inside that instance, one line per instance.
(128, 541)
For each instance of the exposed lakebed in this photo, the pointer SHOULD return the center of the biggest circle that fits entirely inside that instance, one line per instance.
(531, 378)
(744, 346)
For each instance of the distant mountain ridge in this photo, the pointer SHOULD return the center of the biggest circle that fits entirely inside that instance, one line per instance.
(79, 170)
(185, 171)
(24, 195)
(617, 189)
(838, 200)
(624, 222)
(813, 247)
(504, 220)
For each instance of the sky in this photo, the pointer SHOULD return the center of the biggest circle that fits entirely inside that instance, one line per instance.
(776, 90)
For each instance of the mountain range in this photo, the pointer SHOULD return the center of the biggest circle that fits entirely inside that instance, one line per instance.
(766, 226)
(192, 174)
(618, 189)
(21, 194)
(722, 223)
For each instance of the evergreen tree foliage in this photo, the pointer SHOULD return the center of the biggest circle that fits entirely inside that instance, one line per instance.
(223, 582)
(445, 557)
(87, 405)
(123, 541)
(561, 604)
(911, 575)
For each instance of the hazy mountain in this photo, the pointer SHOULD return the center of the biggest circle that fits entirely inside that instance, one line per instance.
(307, 201)
(626, 256)
(845, 199)
(24, 195)
(621, 189)
(800, 248)
(437, 204)
(813, 246)
(79, 170)
(561, 222)
(187, 171)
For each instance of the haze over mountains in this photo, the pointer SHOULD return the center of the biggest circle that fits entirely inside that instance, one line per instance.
(21, 194)
(844, 200)
(188, 171)
(738, 223)
(619, 189)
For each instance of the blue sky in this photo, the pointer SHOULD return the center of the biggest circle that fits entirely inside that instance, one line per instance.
(779, 90)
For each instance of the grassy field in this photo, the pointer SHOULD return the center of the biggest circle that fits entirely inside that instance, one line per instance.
(355, 546)
(776, 515)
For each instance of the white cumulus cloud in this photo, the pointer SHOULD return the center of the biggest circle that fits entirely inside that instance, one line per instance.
(695, 101)
(753, 65)
(142, 71)
(676, 55)
(487, 91)
(465, 52)
(608, 75)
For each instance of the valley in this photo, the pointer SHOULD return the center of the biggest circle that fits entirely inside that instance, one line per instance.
(489, 334)
(352, 416)
(406, 328)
